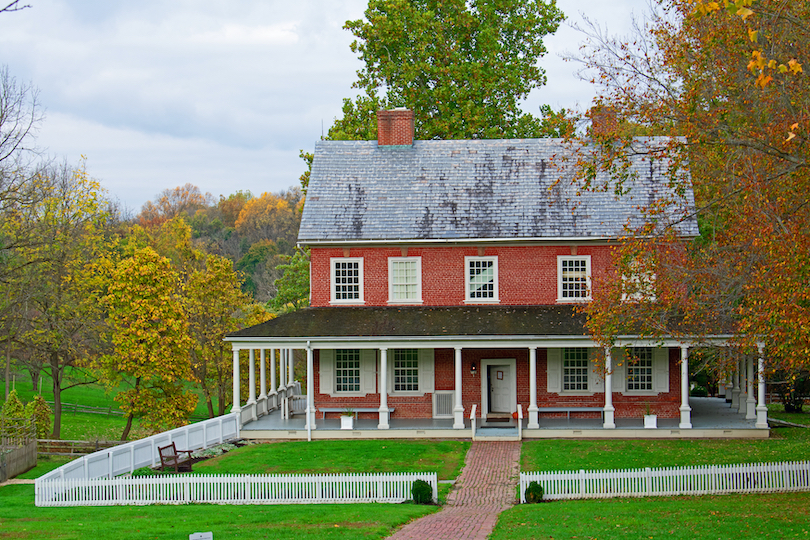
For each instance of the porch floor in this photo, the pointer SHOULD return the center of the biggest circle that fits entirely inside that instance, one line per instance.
(711, 418)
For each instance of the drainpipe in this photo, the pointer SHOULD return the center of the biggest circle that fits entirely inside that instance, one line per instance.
(310, 395)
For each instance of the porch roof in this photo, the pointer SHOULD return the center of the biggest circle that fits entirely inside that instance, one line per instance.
(418, 321)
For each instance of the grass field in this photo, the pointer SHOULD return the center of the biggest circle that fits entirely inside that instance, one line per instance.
(785, 444)
(740, 517)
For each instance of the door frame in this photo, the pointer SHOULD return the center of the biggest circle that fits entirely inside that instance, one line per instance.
(485, 364)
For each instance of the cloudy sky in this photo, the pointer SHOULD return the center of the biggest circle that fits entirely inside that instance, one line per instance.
(222, 94)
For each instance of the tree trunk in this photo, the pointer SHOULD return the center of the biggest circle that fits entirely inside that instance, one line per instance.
(56, 377)
(8, 368)
(127, 428)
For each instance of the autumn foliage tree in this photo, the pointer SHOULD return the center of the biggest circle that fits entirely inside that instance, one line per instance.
(150, 335)
(725, 80)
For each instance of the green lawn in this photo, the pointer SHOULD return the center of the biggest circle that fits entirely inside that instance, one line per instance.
(330, 457)
(741, 517)
(776, 411)
(785, 444)
(21, 520)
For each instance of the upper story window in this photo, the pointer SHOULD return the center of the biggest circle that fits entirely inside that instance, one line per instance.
(347, 280)
(481, 281)
(574, 278)
(640, 369)
(639, 285)
(405, 279)
(575, 369)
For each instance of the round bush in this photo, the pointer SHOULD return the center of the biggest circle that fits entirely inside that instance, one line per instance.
(534, 493)
(421, 492)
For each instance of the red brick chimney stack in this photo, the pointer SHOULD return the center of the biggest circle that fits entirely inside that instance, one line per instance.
(395, 127)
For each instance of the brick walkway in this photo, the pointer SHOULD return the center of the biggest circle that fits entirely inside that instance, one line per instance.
(485, 488)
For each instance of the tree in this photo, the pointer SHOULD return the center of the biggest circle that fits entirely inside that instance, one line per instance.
(150, 335)
(462, 66)
(169, 203)
(729, 87)
(293, 286)
(14, 6)
(61, 319)
(215, 306)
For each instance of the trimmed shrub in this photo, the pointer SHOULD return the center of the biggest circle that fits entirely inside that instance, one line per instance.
(534, 492)
(421, 492)
(699, 391)
(41, 411)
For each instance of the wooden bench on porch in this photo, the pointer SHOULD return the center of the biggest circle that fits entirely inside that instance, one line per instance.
(355, 410)
(569, 410)
(170, 457)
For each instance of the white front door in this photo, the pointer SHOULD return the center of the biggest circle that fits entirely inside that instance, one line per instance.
(500, 389)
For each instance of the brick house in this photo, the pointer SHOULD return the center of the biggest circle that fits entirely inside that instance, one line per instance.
(445, 274)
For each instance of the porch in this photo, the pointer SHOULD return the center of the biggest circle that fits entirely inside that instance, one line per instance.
(711, 418)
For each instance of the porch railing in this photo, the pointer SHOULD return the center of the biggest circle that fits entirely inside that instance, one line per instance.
(703, 480)
(234, 489)
(472, 420)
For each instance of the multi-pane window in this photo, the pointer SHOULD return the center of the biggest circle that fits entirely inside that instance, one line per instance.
(406, 370)
(575, 368)
(347, 279)
(640, 369)
(405, 279)
(347, 370)
(482, 278)
(574, 278)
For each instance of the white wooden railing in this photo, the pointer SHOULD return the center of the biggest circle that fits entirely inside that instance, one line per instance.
(234, 489)
(520, 421)
(127, 457)
(703, 480)
(472, 420)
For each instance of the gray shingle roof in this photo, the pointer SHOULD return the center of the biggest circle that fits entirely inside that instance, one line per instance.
(468, 189)
(422, 322)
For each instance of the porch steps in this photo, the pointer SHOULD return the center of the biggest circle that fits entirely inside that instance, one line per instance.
(497, 434)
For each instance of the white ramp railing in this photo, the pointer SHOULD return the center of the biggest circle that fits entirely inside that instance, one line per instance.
(472, 420)
(127, 457)
(703, 480)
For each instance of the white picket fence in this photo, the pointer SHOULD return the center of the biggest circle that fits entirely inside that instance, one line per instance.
(127, 457)
(233, 489)
(703, 480)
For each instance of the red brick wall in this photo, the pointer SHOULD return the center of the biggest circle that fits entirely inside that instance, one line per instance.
(527, 275)
(664, 405)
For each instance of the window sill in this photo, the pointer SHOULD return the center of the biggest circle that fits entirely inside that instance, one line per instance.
(574, 300)
(347, 394)
(575, 394)
(640, 393)
(347, 302)
(406, 394)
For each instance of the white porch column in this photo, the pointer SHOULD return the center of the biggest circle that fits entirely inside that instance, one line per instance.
(751, 401)
(735, 392)
(291, 364)
(383, 390)
(610, 422)
(282, 385)
(729, 386)
(251, 402)
(686, 410)
(741, 406)
(762, 409)
(310, 393)
(236, 397)
(273, 390)
(458, 409)
(262, 401)
(533, 422)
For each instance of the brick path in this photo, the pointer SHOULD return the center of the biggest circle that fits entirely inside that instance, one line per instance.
(485, 488)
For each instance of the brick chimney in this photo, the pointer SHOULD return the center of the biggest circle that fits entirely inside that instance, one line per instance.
(604, 120)
(395, 127)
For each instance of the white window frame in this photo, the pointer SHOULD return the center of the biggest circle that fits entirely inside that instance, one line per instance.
(570, 258)
(333, 262)
(359, 383)
(394, 390)
(467, 290)
(586, 374)
(643, 284)
(635, 353)
(392, 261)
